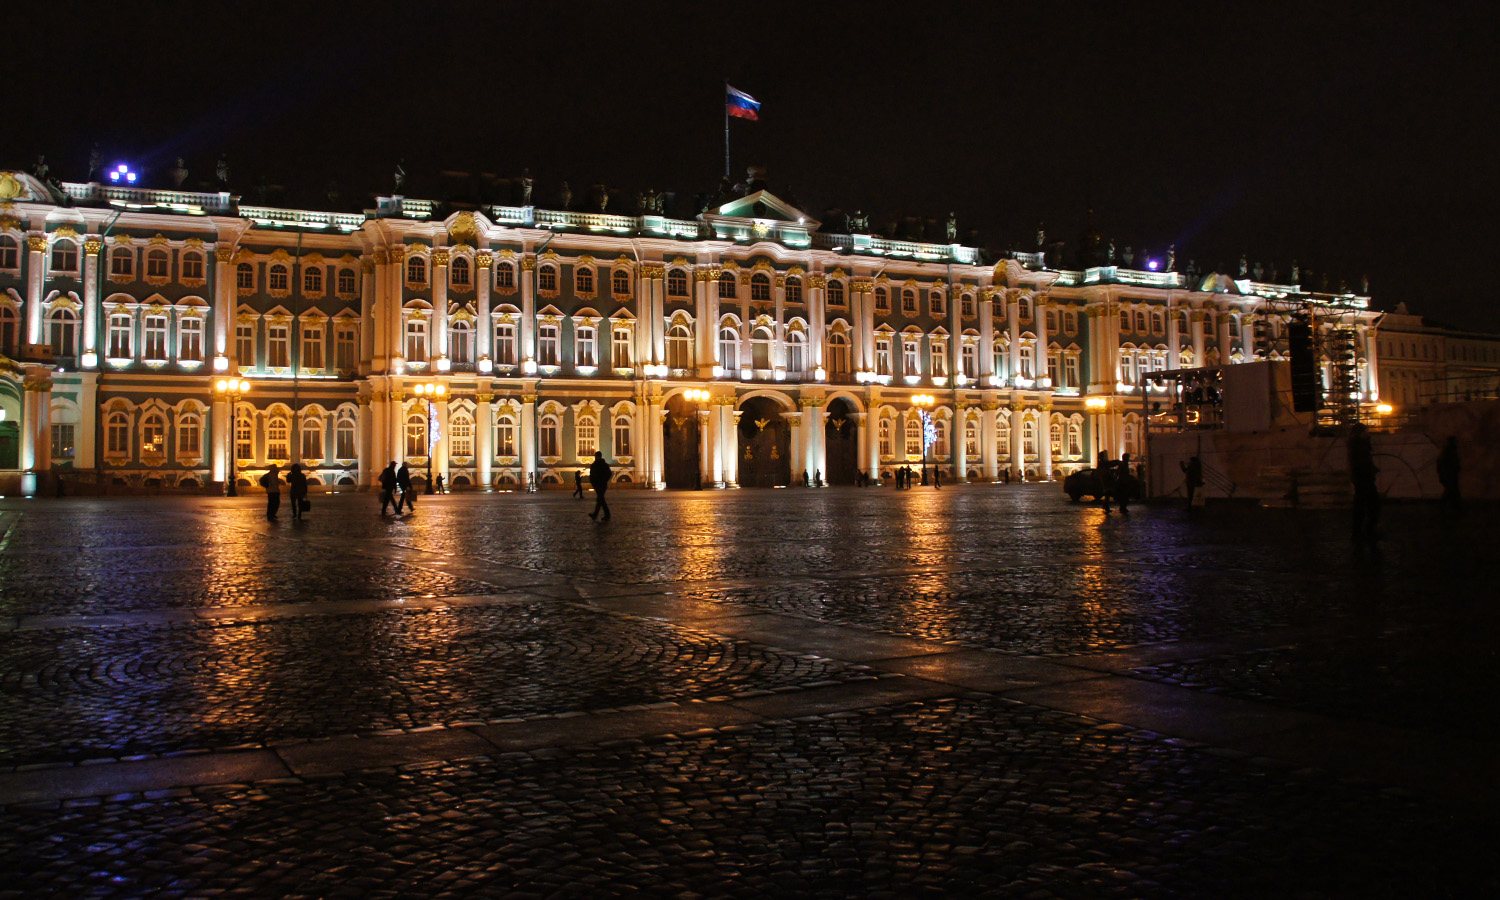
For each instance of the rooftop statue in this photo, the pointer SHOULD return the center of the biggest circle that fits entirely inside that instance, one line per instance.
(526, 185)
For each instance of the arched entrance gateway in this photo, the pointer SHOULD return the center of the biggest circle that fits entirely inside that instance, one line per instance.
(765, 445)
(680, 444)
(841, 443)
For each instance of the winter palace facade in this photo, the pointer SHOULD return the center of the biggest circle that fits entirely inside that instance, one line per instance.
(155, 337)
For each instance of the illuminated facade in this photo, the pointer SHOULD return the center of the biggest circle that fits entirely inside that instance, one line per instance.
(555, 333)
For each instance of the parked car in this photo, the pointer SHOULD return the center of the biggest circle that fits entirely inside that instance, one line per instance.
(1090, 483)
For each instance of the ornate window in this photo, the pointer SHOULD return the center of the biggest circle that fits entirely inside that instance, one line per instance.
(10, 253)
(838, 355)
(190, 338)
(966, 306)
(9, 330)
(1052, 369)
(461, 343)
(117, 434)
(153, 435)
(244, 343)
(62, 331)
(505, 436)
(586, 339)
(278, 347)
(586, 435)
(64, 438)
(729, 348)
(583, 280)
(908, 302)
(548, 346)
(546, 279)
(312, 438)
(344, 439)
(622, 436)
(244, 278)
(885, 438)
(312, 280)
(1002, 436)
(156, 337)
(794, 289)
(1075, 439)
(883, 355)
(416, 435)
(1028, 438)
(760, 348)
(121, 263)
(120, 345)
(158, 265)
(620, 349)
(461, 435)
(835, 293)
(969, 358)
(346, 283)
(416, 339)
(937, 301)
(911, 357)
(505, 277)
(346, 348)
(192, 266)
(278, 279)
(505, 344)
(459, 273)
(620, 283)
(882, 300)
(244, 436)
(971, 439)
(312, 346)
(1028, 361)
(940, 440)
(679, 347)
(416, 273)
(937, 350)
(549, 433)
(796, 353)
(1070, 372)
(728, 286)
(1140, 321)
(760, 286)
(64, 257)
(1055, 438)
(913, 436)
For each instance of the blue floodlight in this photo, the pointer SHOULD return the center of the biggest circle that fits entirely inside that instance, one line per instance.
(122, 173)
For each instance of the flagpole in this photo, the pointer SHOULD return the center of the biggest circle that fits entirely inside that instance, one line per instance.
(726, 128)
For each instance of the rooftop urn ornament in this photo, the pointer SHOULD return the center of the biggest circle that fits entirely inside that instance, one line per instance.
(1296, 273)
(179, 173)
(1259, 271)
(600, 195)
(526, 185)
(1128, 255)
(1041, 237)
(1110, 253)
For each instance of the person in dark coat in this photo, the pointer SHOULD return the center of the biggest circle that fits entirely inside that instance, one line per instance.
(1447, 473)
(599, 473)
(408, 496)
(1105, 469)
(296, 480)
(1362, 474)
(1124, 481)
(1192, 472)
(578, 484)
(937, 478)
(271, 481)
(388, 488)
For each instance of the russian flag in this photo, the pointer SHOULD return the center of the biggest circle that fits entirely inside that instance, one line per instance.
(741, 104)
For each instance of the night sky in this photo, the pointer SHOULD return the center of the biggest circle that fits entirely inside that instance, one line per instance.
(1360, 141)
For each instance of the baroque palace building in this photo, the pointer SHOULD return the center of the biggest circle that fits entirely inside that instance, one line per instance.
(746, 347)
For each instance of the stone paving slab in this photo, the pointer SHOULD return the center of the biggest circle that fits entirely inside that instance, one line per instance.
(353, 753)
(979, 670)
(51, 784)
(854, 645)
(537, 734)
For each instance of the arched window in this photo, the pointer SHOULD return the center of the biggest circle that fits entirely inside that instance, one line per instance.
(312, 280)
(278, 278)
(416, 270)
(938, 303)
(244, 277)
(969, 359)
(622, 436)
(548, 345)
(64, 257)
(760, 348)
(459, 272)
(1002, 436)
(10, 325)
(940, 441)
(505, 277)
(278, 440)
(192, 266)
(760, 286)
(416, 339)
(117, 434)
(10, 253)
(586, 351)
(729, 348)
(1028, 361)
(153, 435)
(121, 263)
(966, 306)
(679, 347)
(620, 283)
(461, 435)
(838, 355)
(727, 285)
(885, 438)
(62, 331)
(1028, 438)
(158, 264)
(794, 289)
(549, 434)
(971, 439)
(1130, 435)
(312, 438)
(461, 343)
(344, 440)
(796, 353)
(189, 436)
(583, 280)
(1055, 434)
(882, 300)
(835, 293)
(677, 283)
(1075, 439)
(586, 437)
(346, 281)
(416, 435)
(908, 302)
(1140, 321)
(913, 436)
(505, 436)
(546, 279)
(244, 436)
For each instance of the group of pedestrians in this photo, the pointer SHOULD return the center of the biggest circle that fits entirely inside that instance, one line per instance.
(296, 481)
(599, 475)
(395, 487)
(1119, 481)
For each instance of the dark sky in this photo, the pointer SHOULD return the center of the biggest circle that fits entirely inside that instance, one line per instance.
(1360, 140)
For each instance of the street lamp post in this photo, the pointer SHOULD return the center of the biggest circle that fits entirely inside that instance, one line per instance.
(428, 392)
(231, 389)
(923, 404)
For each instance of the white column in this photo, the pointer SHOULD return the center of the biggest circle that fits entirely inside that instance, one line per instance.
(223, 433)
(799, 444)
(84, 456)
(1039, 313)
(957, 430)
(36, 268)
(707, 443)
(653, 429)
(367, 307)
(1195, 320)
(484, 432)
(1013, 334)
(1044, 440)
(988, 448)
(528, 437)
(816, 435)
(704, 308)
(731, 435)
(866, 323)
(396, 426)
(1225, 346)
(1017, 443)
(1174, 337)
(527, 350)
(484, 329)
(439, 338)
(36, 420)
(394, 280)
(364, 437)
(91, 250)
(871, 444)
(986, 336)
(1372, 382)
(817, 316)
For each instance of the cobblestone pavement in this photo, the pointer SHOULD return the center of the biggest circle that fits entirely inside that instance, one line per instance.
(985, 691)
